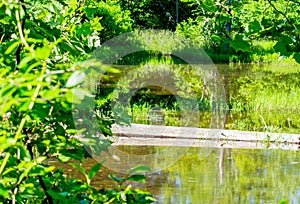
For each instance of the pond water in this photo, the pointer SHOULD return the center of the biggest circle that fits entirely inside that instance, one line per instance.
(259, 97)
(224, 176)
(258, 100)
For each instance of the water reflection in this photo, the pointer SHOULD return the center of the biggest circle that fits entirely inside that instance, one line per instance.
(225, 176)
(258, 99)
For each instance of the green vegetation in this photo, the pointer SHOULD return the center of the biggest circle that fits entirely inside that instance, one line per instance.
(44, 51)
(235, 31)
(244, 31)
(258, 99)
(42, 44)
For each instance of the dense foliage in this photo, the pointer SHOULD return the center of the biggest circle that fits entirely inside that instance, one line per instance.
(42, 44)
(236, 28)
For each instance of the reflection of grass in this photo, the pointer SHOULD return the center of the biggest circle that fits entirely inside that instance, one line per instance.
(277, 108)
(280, 67)
(173, 116)
(288, 122)
(139, 113)
(268, 91)
(277, 100)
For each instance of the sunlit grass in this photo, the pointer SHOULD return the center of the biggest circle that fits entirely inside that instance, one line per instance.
(270, 100)
(284, 66)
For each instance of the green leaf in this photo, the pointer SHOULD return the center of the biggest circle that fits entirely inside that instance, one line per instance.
(113, 70)
(94, 170)
(12, 47)
(76, 95)
(123, 197)
(8, 12)
(79, 94)
(63, 158)
(140, 169)
(297, 57)
(42, 53)
(8, 170)
(138, 178)
(240, 44)
(280, 47)
(85, 29)
(286, 39)
(51, 94)
(5, 20)
(82, 170)
(73, 4)
(216, 38)
(117, 179)
(105, 130)
(28, 166)
(209, 6)
(3, 192)
(150, 198)
(90, 12)
(41, 170)
(96, 25)
(6, 142)
(57, 196)
(253, 27)
(24, 62)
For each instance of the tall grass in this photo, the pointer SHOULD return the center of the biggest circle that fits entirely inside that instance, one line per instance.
(278, 101)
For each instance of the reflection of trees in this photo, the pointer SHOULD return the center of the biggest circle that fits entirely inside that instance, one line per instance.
(171, 87)
(247, 176)
(187, 90)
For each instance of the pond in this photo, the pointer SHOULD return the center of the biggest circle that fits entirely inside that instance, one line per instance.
(224, 176)
(258, 97)
(262, 97)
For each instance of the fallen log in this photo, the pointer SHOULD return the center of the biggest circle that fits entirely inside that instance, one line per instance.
(138, 134)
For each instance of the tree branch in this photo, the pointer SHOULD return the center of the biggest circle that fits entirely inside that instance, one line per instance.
(283, 14)
(41, 181)
(21, 24)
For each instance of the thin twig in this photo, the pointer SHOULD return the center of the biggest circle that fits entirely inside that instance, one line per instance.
(283, 14)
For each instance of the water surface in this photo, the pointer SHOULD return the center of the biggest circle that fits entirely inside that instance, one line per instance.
(258, 97)
(224, 176)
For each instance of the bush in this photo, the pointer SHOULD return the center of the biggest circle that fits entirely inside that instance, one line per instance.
(42, 44)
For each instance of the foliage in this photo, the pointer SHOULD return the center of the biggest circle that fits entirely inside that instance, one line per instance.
(42, 43)
(155, 14)
(234, 26)
(114, 20)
